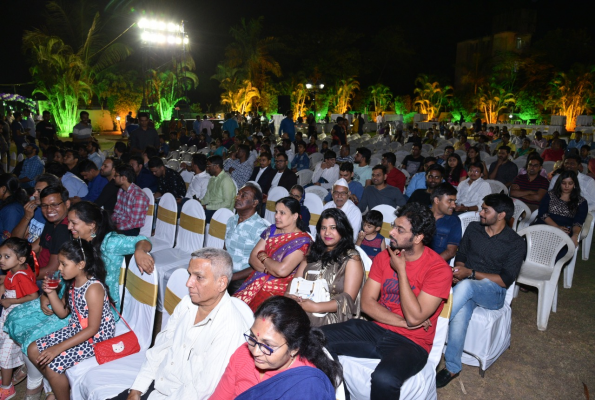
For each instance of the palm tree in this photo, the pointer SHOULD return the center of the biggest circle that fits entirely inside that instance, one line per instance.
(430, 96)
(492, 99)
(570, 92)
(381, 96)
(344, 91)
(67, 57)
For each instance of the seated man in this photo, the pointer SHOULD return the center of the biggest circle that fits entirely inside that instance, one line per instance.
(168, 180)
(95, 182)
(472, 190)
(448, 225)
(442, 159)
(238, 165)
(394, 176)
(487, 263)
(144, 177)
(414, 162)
(362, 170)
(403, 298)
(265, 174)
(32, 166)
(326, 172)
(418, 181)
(356, 188)
(191, 353)
(221, 190)
(200, 181)
(503, 170)
(132, 204)
(243, 232)
(530, 187)
(284, 177)
(76, 186)
(379, 192)
(341, 201)
(434, 176)
(506, 142)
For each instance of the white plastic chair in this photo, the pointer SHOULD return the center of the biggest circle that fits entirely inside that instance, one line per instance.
(540, 268)
(174, 154)
(216, 232)
(315, 158)
(146, 230)
(497, 186)
(314, 205)
(167, 218)
(549, 166)
(176, 289)
(357, 371)
(466, 218)
(318, 191)
(488, 334)
(114, 377)
(520, 162)
(527, 221)
(189, 239)
(520, 209)
(388, 217)
(13, 161)
(304, 176)
(173, 164)
(587, 234)
(276, 193)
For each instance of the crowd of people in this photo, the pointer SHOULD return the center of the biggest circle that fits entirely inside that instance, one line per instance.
(245, 328)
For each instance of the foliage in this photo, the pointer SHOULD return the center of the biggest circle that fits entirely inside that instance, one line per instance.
(458, 110)
(492, 99)
(381, 96)
(400, 104)
(529, 106)
(268, 102)
(298, 99)
(431, 97)
(570, 94)
(343, 93)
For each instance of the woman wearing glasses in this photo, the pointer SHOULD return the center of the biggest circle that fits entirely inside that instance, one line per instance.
(283, 358)
(277, 254)
(13, 198)
(298, 193)
(333, 257)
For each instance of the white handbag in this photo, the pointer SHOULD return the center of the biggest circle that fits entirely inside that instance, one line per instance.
(316, 290)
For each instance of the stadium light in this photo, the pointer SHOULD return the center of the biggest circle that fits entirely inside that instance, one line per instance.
(162, 33)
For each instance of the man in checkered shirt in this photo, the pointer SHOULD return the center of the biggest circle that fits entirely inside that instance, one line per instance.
(238, 165)
(132, 205)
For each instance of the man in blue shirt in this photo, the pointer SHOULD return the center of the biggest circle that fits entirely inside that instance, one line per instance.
(288, 126)
(576, 143)
(448, 225)
(144, 177)
(95, 181)
(418, 181)
(230, 125)
(32, 166)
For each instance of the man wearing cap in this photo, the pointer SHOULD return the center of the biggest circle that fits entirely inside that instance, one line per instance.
(341, 201)
(32, 166)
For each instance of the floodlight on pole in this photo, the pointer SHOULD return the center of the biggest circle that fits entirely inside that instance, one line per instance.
(156, 32)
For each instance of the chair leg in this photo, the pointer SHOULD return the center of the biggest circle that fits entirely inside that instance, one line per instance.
(545, 300)
(555, 300)
(569, 270)
(482, 372)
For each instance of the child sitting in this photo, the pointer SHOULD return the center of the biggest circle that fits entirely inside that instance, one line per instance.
(369, 239)
(19, 287)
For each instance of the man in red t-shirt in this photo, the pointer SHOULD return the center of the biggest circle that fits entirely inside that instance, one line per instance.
(394, 177)
(404, 296)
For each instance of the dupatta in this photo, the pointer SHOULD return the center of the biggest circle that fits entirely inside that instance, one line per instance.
(260, 286)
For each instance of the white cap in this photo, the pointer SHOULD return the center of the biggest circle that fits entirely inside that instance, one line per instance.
(341, 182)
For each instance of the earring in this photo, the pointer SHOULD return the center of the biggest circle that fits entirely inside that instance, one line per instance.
(93, 235)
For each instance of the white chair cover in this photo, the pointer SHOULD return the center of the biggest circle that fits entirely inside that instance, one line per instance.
(139, 311)
(275, 194)
(497, 186)
(366, 261)
(540, 268)
(165, 229)
(304, 176)
(520, 208)
(466, 218)
(357, 371)
(176, 290)
(147, 228)
(190, 238)
(216, 232)
(488, 335)
(314, 205)
(388, 217)
(548, 166)
(318, 191)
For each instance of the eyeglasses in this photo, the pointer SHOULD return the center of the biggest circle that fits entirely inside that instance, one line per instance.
(52, 206)
(280, 161)
(340, 194)
(266, 350)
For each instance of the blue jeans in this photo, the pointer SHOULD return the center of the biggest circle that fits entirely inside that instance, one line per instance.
(468, 294)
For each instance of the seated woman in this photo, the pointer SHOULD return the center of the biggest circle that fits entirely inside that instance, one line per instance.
(283, 358)
(564, 208)
(454, 171)
(474, 155)
(298, 193)
(525, 149)
(333, 257)
(277, 255)
(12, 199)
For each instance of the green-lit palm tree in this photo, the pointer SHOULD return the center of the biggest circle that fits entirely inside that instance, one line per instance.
(381, 97)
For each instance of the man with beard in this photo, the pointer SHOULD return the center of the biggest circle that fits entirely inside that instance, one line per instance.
(265, 174)
(434, 176)
(487, 263)
(503, 170)
(472, 190)
(403, 297)
(379, 192)
(132, 203)
(341, 194)
(109, 195)
(448, 225)
(32, 166)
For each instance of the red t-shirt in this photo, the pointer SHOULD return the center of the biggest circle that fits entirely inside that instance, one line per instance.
(397, 179)
(429, 273)
(23, 282)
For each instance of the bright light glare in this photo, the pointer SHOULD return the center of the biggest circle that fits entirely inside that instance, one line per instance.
(321, 85)
(308, 86)
(154, 25)
(186, 41)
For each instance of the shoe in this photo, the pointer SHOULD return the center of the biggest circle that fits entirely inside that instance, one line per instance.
(444, 377)
(9, 393)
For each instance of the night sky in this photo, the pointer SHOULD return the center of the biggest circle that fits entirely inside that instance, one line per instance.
(430, 31)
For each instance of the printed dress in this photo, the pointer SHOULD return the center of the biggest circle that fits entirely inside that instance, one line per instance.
(84, 350)
(17, 285)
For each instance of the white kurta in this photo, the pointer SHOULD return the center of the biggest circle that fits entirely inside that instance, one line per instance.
(473, 195)
(330, 174)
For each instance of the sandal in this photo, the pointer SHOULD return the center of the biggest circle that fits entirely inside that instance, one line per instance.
(15, 377)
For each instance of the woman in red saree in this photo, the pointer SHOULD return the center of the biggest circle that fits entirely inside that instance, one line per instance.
(277, 255)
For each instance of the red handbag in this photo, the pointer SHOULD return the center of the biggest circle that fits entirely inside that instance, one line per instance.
(111, 349)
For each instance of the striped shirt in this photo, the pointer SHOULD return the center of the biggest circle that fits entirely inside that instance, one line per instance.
(525, 184)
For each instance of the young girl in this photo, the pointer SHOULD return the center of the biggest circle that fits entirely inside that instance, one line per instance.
(19, 287)
(86, 299)
(369, 239)
(455, 173)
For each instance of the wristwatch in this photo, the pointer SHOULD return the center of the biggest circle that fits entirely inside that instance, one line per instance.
(472, 276)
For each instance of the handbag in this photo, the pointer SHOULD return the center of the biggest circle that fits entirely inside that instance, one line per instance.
(316, 290)
(111, 349)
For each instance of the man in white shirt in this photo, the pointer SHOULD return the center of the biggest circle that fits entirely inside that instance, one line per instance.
(82, 132)
(587, 184)
(472, 190)
(207, 124)
(326, 172)
(200, 180)
(193, 350)
(341, 201)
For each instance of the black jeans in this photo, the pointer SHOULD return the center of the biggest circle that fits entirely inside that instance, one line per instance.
(124, 394)
(130, 232)
(400, 358)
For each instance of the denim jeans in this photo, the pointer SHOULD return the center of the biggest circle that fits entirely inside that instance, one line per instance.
(468, 294)
(400, 358)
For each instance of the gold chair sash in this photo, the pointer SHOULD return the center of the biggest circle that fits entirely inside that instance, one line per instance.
(151, 210)
(271, 206)
(385, 230)
(314, 219)
(192, 224)
(445, 313)
(169, 217)
(170, 301)
(141, 290)
(217, 229)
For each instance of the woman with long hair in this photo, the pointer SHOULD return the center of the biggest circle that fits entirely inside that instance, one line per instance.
(473, 156)
(454, 171)
(298, 193)
(282, 247)
(12, 198)
(333, 257)
(283, 358)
